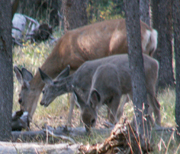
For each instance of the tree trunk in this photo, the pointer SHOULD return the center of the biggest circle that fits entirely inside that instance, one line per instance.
(144, 11)
(6, 76)
(74, 13)
(14, 4)
(137, 69)
(176, 23)
(162, 20)
(155, 14)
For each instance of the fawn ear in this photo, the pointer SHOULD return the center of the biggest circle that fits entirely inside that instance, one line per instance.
(64, 73)
(46, 79)
(95, 98)
(18, 73)
(27, 76)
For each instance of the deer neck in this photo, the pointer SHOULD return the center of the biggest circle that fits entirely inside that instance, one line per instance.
(65, 85)
(50, 67)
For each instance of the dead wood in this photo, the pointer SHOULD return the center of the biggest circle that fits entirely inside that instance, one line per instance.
(123, 140)
(35, 32)
(53, 135)
(41, 33)
(34, 148)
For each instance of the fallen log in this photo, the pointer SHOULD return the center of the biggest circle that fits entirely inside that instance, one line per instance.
(122, 140)
(51, 135)
(32, 148)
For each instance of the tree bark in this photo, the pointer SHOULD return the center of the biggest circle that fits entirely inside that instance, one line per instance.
(162, 21)
(14, 4)
(144, 11)
(6, 76)
(75, 14)
(176, 23)
(155, 14)
(137, 69)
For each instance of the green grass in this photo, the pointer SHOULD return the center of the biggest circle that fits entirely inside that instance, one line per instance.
(167, 101)
(32, 56)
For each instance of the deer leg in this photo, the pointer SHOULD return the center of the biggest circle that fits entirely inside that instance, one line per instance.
(157, 112)
(156, 108)
(150, 111)
(112, 107)
(72, 102)
(110, 116)
(120, 110)
(121, 106)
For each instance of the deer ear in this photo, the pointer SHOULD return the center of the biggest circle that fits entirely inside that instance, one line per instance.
(18, 74)
(46, 79)
(95, 98)
(25, 84)
(27, 76)
(64, 73)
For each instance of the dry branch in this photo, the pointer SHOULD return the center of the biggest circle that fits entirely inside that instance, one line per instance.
(123, 140)
(59, 136)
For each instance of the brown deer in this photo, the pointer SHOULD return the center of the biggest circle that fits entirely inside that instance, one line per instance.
(101, 81)
(77, 46)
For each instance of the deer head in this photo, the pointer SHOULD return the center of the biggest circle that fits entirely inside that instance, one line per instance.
(53, 88)
(24, 77)
(88, 113)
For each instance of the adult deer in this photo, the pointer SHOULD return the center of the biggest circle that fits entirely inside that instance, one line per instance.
(101, 81)
(77, 46)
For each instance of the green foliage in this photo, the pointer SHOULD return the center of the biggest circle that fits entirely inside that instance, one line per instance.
(31, 55)
(102, 10)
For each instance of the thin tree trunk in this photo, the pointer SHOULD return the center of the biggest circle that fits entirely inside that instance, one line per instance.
(155, 14)
(75, 14)
(14, 4)
(176, 23)
(137, 69)
(144, 11)
(6, 76)
(162, 21)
